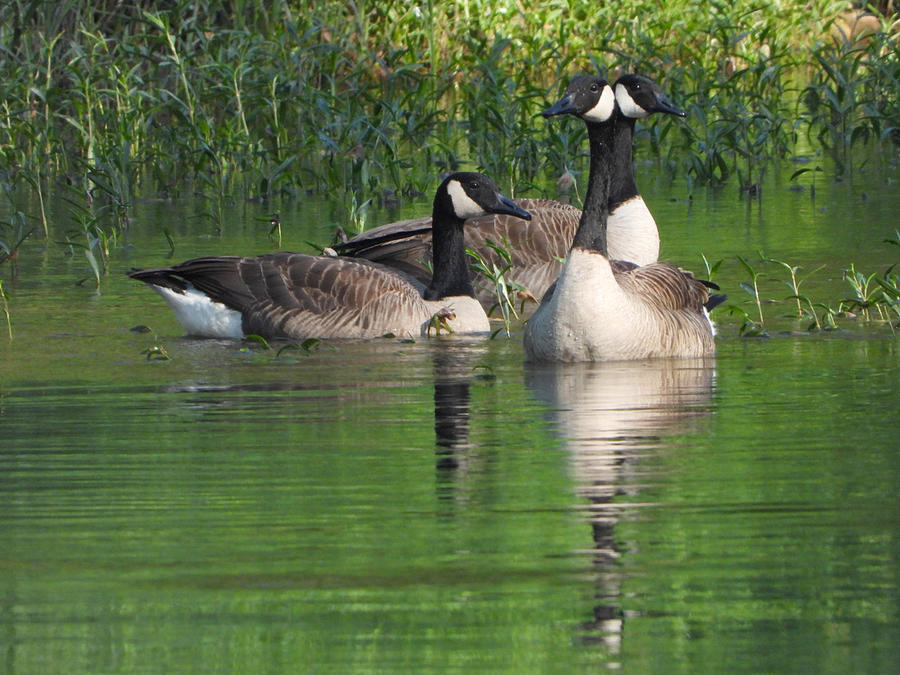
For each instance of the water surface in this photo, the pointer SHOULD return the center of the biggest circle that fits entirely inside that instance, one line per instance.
(440, 506)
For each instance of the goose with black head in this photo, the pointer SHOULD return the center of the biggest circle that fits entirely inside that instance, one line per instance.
(299, 296)
(601, 309)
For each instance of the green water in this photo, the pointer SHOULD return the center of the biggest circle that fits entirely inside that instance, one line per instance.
(438, 506)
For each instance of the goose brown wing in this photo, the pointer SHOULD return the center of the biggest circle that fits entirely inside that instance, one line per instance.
(670, 287)
(406, 244)
(298, 295)
(546, 237)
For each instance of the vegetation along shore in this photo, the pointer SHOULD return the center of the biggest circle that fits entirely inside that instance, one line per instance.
(105, 102)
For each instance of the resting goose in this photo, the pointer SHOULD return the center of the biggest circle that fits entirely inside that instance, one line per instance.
(299, 296)
(536, 247)
(600, 310)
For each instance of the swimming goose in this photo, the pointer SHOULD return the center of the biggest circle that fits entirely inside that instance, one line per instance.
(609, 311)
(536, 247)
(298, 296)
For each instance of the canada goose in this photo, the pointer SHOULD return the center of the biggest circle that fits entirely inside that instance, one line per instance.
(298, 296)
(608, 311)
(536, 247)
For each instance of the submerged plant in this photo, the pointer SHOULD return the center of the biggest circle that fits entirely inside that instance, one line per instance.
(156, 353)
(307, 347)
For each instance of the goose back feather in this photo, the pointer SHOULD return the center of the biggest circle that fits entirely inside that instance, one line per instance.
(535, 247)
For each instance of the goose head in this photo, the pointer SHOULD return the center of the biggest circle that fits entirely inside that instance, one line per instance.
(589, 97)
(461, 196)
(638, 96)
(465, 195)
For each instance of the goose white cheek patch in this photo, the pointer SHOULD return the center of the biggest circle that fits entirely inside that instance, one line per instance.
(604, 108)
(628, 105)
(463, 205)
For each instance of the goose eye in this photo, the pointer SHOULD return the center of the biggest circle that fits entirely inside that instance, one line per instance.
(473, 184)
(595, 87)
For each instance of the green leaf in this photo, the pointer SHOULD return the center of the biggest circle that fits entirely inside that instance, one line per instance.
(92, 260)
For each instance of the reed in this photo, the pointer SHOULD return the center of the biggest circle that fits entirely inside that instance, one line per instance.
(14, 232)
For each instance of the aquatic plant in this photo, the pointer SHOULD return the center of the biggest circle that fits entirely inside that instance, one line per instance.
(872, 294)
(503, 288)
(373, 101)
(91, 233)
(156, 352)
(308, 347)
(4, 305)
(14, 232)
(875, 297)
(793, 283)
(751, 327)
(351, 97)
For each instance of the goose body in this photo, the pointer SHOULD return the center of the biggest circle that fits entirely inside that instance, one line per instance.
(536, 247)
(602, 309)
(298, 296)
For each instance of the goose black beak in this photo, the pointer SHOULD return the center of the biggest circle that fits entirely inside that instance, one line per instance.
(508, 206)
(664, 105)
(565, 106)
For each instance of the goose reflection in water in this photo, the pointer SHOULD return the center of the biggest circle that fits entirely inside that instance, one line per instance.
(608, 416)
(453, 373)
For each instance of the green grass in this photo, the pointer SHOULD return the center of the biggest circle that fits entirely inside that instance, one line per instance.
(379, 96)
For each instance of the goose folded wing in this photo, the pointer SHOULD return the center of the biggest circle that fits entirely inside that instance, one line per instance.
(670, 287)
(309, 296)
(546, 237)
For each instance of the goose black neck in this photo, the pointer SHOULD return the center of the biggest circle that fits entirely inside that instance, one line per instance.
(448, 253)
(591, 233)
(621, 185)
